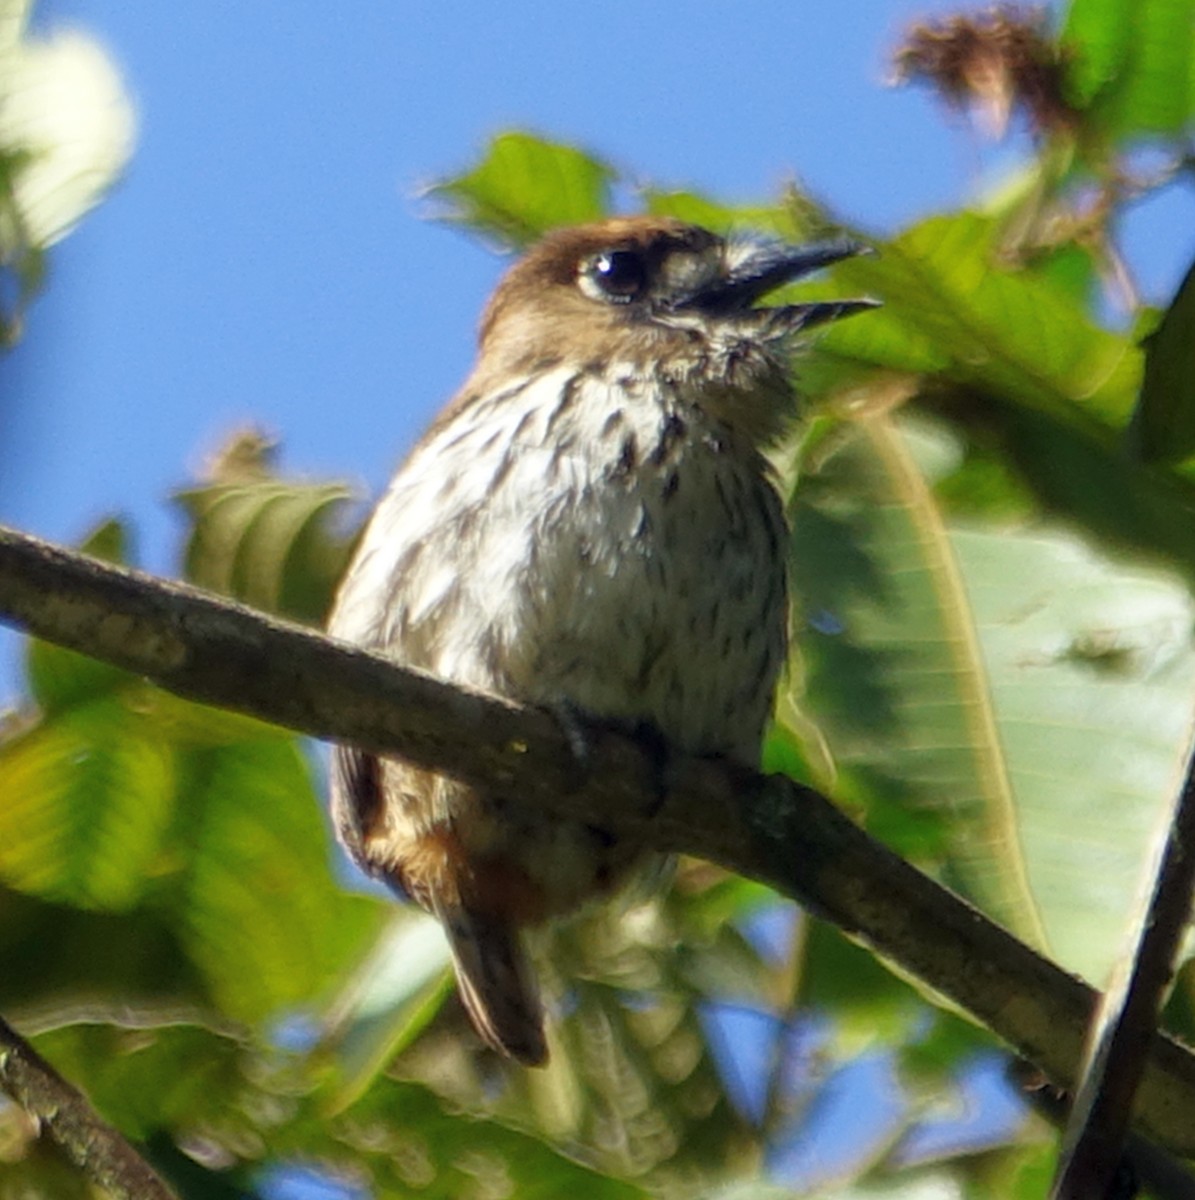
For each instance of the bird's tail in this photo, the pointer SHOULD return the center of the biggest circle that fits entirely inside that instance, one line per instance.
(496, 985)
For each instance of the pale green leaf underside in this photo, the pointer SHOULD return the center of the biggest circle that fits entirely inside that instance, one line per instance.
(1092, 673)
(1024, 697)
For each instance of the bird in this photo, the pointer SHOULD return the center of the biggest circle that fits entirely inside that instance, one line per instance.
(590, 526)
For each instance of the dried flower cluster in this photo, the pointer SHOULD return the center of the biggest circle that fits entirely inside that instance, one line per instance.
(991, 63)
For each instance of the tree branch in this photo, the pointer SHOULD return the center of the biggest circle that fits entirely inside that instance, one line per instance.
(768, 828)
(64, 1113)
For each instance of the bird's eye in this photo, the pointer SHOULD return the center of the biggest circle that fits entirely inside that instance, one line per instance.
(619, 274)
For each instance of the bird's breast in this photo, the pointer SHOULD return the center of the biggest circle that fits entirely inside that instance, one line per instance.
(587, 536)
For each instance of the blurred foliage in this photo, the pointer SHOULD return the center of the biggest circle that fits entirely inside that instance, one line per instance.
(1164, 421)
(66, 132)
(993, 672)
(270, 542)
(525, 186)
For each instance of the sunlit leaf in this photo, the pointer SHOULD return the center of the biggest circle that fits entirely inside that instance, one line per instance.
(893, 667)
(262, 915)
(525, 186)
(88, 798)
(1097, 34)
(1133, 63)
(1028, 697)
(271, 543)
(1092, 669)
(724, 218)
(943, 286)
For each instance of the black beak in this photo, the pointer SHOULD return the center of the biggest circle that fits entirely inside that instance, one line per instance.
(759, 266)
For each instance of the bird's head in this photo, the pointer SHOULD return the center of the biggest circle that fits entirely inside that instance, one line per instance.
(653, 292)
(636, 286)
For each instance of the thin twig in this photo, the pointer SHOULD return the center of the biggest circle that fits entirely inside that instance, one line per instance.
(63, 1112)
(767, 828)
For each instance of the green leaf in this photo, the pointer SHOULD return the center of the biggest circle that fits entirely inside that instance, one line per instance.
(59, 679)
(1164, 423)
(408, 1142)
(56, 955)
(525, 186)
(139, 801)
(267, 542)
(1133, 64)
(88, 798)
(950, 308)
(723, 218)
(1016, 359)
(632, 1073)
(1087, 478)
(41, 1172)
(262, 917)
(1096, 38)
(1027, 697)
(894, 673)
(1092, 672)
(146, 1072)
(271, 542)
(1018, 1172)
(109, 541)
